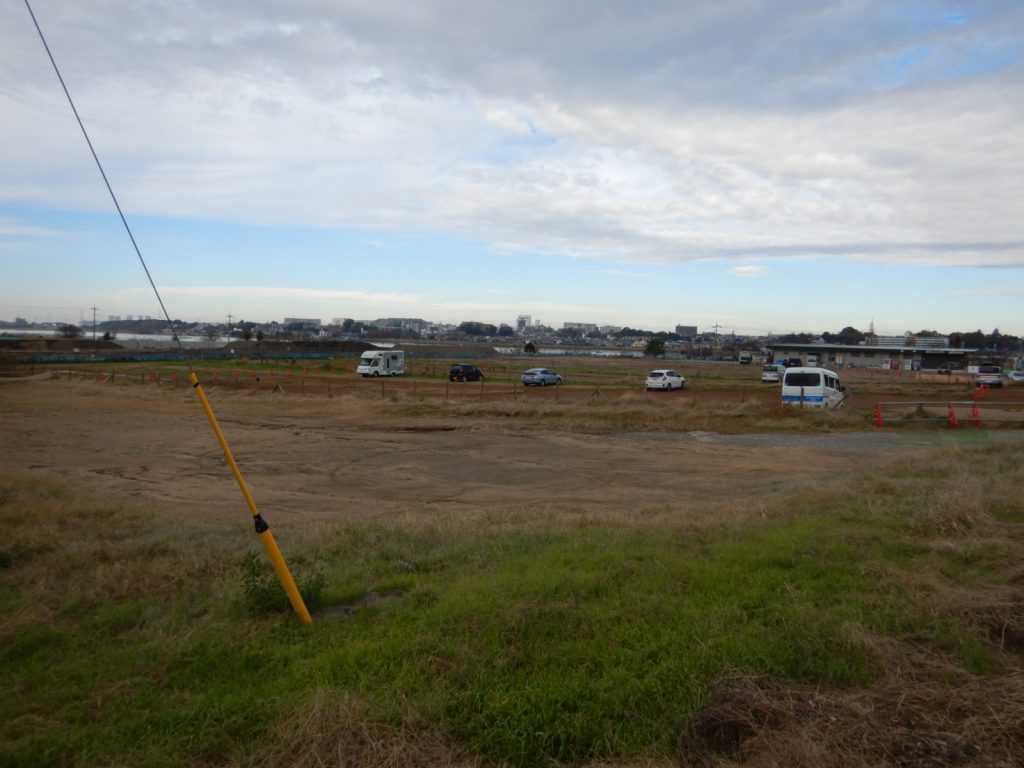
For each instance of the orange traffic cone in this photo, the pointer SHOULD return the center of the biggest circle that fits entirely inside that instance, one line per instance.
(975, 415)
(878, 414)
(952, 417)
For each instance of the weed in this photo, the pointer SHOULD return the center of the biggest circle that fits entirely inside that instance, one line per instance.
(264, 593)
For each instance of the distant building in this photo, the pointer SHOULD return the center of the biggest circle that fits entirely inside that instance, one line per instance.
(523, 322)
(303, 322)
(583, 328)
(686, 331)
(415, 324)
(887, 356)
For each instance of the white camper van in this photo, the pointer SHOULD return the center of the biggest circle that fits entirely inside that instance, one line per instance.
(381, 362)
(816, 387)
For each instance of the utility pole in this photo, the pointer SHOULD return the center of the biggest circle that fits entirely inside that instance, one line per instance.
(229, 327)
(94, 322)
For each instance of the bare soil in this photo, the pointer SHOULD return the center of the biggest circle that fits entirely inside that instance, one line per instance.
(318, 458)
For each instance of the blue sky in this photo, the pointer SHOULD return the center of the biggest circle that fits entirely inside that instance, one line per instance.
(755, 166)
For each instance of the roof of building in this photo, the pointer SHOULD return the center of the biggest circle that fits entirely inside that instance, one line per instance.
(868, 348)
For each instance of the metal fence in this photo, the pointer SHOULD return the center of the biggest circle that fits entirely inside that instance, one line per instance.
(974, 413)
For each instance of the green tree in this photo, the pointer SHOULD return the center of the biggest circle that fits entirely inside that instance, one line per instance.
(69, 331)
(655, 348)
(529, 348)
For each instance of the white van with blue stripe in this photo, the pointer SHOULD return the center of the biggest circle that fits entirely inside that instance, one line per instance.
(813, 387)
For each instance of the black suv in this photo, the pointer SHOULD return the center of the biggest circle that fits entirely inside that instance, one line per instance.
(465, 373)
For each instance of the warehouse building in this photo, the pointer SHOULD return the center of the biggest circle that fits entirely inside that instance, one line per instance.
(897, 353)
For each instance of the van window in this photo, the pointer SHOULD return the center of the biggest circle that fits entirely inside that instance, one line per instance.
(803, 379)
(989, 369)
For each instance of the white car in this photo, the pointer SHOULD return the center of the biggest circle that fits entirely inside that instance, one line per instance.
(664, 379)
(540, 377)
(989, 375)
(772, 373)
(1016, 376)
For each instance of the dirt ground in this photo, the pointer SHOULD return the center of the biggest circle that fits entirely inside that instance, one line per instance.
(327, 459)
(317, 461)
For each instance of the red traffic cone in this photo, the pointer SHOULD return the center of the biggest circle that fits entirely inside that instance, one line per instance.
(975, 415)
(952, 417)
(878, 414)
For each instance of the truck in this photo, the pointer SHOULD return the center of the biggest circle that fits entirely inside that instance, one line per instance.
(745, 356)
(381, 362)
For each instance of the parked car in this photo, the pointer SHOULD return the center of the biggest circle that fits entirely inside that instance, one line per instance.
(540, 377)
(1016, 376)
(461, 372)
(664, 379)
(945, 368)
(772, 372)
(989, 375)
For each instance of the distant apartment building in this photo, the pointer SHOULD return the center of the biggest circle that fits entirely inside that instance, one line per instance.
(686, 331)
(415, 324)
(305, 322)
(583, 328)
(523, 322)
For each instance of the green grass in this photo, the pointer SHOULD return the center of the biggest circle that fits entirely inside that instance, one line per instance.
(130, 639)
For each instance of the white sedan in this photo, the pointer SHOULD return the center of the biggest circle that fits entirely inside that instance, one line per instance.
(664, 379)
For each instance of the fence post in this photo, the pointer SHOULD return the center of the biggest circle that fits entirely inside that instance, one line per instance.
(481, 390)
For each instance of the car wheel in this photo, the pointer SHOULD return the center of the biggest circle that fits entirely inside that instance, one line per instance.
(543, 383)
(375, 374)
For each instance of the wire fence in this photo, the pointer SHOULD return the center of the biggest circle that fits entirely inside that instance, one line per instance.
(973, 413)
(299, 381)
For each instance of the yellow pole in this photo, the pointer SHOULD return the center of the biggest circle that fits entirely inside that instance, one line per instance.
(262, 527)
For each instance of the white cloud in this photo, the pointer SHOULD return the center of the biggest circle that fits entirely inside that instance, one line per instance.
(660, 134)
(624, 273)
(748, 271)
(260, 292)
(992, 290)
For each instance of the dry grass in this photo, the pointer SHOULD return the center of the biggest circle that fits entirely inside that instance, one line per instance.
(925, 713)
(336, 730)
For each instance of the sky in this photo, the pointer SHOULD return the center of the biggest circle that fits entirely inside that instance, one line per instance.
(747, 165)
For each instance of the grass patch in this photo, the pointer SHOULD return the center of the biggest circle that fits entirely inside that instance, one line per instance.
(128, 636)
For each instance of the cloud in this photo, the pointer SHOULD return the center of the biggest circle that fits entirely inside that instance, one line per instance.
(624, 273)
(992, 290)
(654, 135)
(257, 292)
(748, 271)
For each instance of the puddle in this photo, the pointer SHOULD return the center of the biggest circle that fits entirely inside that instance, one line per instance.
(370, 600)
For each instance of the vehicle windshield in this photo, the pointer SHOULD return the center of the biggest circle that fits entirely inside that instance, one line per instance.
(770, 368)
(655, 374)
(990, 369)
(803, 379)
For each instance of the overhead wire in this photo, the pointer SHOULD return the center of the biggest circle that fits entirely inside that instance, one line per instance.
(262, 527)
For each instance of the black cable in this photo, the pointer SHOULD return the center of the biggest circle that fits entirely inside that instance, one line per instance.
(110, 189)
